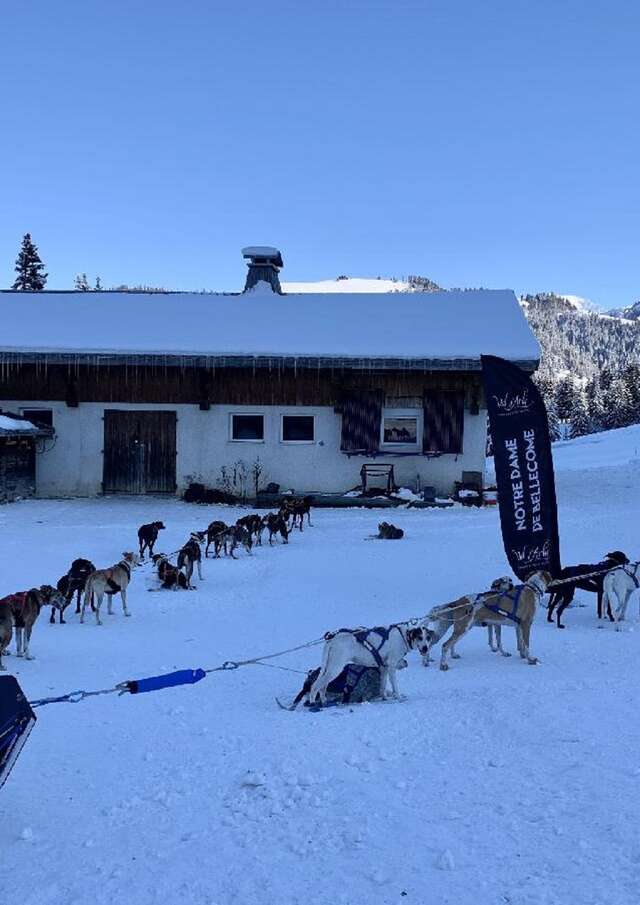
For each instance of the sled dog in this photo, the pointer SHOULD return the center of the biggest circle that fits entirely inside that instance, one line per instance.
(114, 580)
(515, 607)
(21, 610)
(384, 647)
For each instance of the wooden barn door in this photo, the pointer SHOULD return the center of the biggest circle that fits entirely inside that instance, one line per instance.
(139, 452)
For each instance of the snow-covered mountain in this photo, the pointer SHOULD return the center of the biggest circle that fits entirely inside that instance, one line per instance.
(363, 284)
(630, 313)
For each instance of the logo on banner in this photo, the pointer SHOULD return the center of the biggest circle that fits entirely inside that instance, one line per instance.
(513, 403)
(532, 554)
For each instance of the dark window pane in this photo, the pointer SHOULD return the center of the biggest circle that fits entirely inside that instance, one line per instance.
(43, 417)
(297, 427)
(248, 427)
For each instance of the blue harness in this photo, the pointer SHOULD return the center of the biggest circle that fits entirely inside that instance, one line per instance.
(513, 595)
(363, 638)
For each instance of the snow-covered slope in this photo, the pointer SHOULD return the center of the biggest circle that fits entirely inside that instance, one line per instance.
(496, 782)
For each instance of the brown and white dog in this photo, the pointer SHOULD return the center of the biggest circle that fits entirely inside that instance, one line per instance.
(254, 525)
(276, 524)
(442, 626)
(171, 578)
(21, 610)
(515, 607)
(236, 536)
(114, 580)
(147, 537)
(384, 647)
(296, 510)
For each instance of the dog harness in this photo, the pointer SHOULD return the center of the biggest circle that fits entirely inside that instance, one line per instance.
(15, 601)
(114, 587)
(513, 595)
(632, 571)
(373, 645)
(363, 637)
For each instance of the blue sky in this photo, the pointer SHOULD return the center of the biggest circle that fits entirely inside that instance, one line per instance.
(492, 144)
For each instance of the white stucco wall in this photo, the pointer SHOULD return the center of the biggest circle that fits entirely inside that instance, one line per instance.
(73, 467)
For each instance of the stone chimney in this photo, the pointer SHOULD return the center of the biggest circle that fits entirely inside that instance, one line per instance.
(264, 265)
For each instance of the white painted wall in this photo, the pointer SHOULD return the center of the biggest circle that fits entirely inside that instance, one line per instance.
(73, 467)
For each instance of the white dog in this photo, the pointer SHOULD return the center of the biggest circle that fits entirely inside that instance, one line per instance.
(384, 647)
(620, 584)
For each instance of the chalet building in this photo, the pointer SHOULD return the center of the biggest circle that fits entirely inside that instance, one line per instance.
(147, 392)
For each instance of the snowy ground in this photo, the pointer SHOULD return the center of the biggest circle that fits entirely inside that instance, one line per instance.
(496, 782)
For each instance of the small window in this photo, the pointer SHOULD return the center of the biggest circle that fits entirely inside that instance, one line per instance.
(400, 431)
(39, 417)
(298, 428)
(247, 427)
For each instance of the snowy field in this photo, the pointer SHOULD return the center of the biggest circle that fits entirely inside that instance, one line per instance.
(496, 782)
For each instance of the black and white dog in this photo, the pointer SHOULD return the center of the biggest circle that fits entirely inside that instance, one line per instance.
(384, 647)
(73, 583)
(235, 536)
(191, 555)
(562, 596)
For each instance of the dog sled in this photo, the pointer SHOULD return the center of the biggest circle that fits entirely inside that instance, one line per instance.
(17, 719)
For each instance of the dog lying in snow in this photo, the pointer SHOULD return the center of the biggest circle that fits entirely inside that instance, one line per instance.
(515, 607)
(619, 584)
(22, 610)
(171, 577)
(114, 580)
(147, 537)
(384, 647)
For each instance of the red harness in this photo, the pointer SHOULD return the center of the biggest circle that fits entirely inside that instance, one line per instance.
(15, 601)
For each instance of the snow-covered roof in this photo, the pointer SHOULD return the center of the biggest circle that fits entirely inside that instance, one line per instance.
(435, 329)
(10, 425)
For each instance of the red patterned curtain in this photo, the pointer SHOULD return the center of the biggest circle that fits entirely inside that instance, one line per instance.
(361, 418)
(443, 421)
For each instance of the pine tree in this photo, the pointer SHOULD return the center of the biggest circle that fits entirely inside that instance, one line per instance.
(631, 378)
(580, 421)
(82, 283)
(547, 391)
(29, 268)
(98, 286)
(595, 406)
(554, 421)
(566, 393)
(613, 410)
